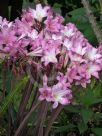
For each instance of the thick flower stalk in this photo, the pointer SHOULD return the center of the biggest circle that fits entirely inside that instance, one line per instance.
(59, 52)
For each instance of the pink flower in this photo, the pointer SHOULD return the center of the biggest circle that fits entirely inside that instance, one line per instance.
(68, 43)
(78, 47)
(74, 57)
(36, 52)
(82, 81)
(40, 12)
(22, 28)
(69, 30)
(49, 56)
(71, 74)
(63, 79)
(4, 23)
(52, 25)
(33, 34)
(7, 37)
(27, 16)
(51, 50)
(82, 70)
(45, 91)
(92, 54)
(57, 36)
(93, 69)
(100, 49)
(61, 94)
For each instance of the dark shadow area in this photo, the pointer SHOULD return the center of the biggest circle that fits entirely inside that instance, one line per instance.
(16, 8)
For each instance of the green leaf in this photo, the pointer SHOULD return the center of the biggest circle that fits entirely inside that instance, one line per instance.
(100, 77)
(72, 108)
(97, 100)
(97, 131)
(88, 98)
(9, 98)
(82, 127)
(89, 31)
(97, 90)
(93, 83)
(80, 12)
(86, 115)
(57, 7)
(77, 12)
(17, 100)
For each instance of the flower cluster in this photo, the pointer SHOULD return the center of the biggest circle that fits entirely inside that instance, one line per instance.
(60, 51)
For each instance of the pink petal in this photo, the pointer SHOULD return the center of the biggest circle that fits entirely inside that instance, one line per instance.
(41, 98)
(55, 105)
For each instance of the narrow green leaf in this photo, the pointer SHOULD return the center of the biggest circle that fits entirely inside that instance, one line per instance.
(5, 104)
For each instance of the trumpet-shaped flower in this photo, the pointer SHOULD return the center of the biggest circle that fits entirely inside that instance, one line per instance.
(33, 34)
(45, 91)
(69, 30)
(68, 44)
(52, 25)
(61, 94)
(40, 12)
(83, 81)
(92, 54)
(93, 69)
(7, 37)
(50, 56)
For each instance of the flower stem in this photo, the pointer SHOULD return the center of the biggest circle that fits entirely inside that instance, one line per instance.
(54, 115)
(26, 119)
